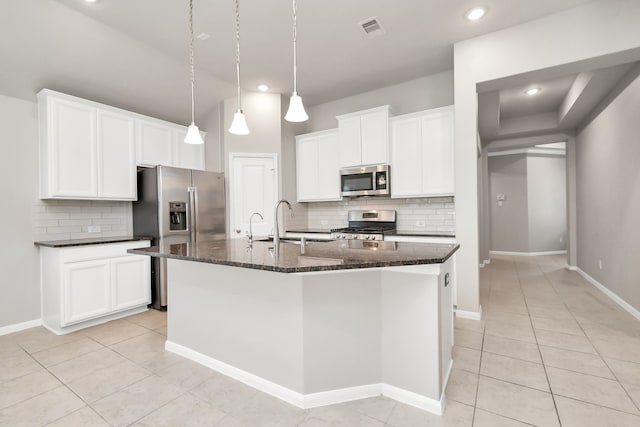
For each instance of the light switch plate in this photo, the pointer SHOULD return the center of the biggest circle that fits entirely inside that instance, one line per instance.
(93, 229)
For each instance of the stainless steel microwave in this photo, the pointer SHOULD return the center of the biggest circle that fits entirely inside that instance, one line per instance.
(365, 181)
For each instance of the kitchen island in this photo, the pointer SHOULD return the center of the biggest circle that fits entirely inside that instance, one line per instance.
(316, 324)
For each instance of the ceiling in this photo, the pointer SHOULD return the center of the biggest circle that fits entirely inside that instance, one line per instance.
(134, 53)
(506, 112)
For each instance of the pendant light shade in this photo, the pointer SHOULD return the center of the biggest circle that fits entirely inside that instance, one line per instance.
(193, 134)
(296, 112)
(239, 124)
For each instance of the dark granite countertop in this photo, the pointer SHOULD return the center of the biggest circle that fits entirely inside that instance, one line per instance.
(85, 242)
(310, 230)
(424, 234)
(317, 256)
(398, 233)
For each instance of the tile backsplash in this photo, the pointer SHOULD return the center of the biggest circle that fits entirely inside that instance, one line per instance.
(70, 219)
(423, 215)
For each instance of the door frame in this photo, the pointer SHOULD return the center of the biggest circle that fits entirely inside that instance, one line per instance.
(276, 186)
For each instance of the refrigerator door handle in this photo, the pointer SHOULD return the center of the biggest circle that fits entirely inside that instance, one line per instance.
(193, 220)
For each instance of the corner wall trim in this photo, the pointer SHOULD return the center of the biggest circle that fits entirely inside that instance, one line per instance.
(5, 330)
(311, 400)
(622, 303)
(528, 253)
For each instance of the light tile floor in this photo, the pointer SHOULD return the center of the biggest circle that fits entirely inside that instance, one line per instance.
(551, 350)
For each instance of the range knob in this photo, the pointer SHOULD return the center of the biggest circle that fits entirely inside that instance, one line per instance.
(373, 237)
(367, 237)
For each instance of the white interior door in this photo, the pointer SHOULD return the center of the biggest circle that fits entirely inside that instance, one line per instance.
(253, 188)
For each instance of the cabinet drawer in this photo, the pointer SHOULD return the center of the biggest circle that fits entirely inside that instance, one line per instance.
(111, 250)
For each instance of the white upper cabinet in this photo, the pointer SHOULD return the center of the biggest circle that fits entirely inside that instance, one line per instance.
(317, 166)
(116, 151)
(189, 156)
(90, 150)
(364, 137)
(86, 150)
(422, 162)
(155, 143)
(162, 143)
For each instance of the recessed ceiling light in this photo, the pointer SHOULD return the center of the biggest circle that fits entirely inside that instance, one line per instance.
(203, 36)
(532, 91)
(90, 1)
(263, 88)
(476, 13)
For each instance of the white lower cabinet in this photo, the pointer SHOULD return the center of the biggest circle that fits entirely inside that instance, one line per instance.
(86, 290)
(86, 285)
(130, 282)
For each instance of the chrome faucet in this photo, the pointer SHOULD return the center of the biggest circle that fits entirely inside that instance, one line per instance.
(250, 233)
(276, 233)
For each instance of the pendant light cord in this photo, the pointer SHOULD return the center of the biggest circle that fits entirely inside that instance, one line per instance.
(238, 51)
(295, 60)
(191, 57)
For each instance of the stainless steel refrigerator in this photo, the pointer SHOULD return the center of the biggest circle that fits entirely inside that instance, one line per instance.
(177, 205)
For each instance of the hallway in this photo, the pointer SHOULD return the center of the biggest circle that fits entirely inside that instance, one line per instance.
(551, 349)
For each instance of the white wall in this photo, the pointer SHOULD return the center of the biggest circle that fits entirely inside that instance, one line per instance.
(415, 95)
(608, 30)
(19, 262)
(608, 196)
(547, 203)
(509, 222)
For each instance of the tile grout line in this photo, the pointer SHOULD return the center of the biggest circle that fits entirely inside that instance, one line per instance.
(595, 348)
(535, 336)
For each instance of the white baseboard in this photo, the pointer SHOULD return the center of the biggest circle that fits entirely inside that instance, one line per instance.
(5, 330)
(306, 401)
(528, 253)
(622, 303)
(473, 315)
(485, 263)
(572, 268)
(414, 399)
(331, 397)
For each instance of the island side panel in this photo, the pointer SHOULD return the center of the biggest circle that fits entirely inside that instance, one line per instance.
(246, 318)
(341, 329)
(410, 330)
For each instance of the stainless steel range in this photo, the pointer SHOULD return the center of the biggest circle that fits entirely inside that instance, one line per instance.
(367, 225)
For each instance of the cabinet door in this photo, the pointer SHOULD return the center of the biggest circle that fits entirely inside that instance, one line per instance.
(86, 290)
(406, 158)
(350, 145)
(374, 137)
(130, 283)
(189, 156)
(73, 149)
(116, 156)
(155, 144)
(328, 178)
(307, 168)
(437, 153)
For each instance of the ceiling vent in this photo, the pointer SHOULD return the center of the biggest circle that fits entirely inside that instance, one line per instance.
(372, 27)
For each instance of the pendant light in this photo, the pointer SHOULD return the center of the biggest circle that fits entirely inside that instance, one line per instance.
(296, 111)
(193, 134)
(239, 124)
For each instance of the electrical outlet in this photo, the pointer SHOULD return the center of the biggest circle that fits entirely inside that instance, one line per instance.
(600, 264)
(420, 223)
(93, 229)
(561, 239)
(324, 222)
